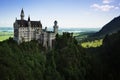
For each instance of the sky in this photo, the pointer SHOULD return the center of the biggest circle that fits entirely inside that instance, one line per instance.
(68, 13)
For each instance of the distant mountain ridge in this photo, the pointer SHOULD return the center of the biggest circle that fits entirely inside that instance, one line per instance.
(6, 29)
(111, 27)
(74, 30)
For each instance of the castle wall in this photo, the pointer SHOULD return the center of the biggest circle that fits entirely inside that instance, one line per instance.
(51, 37)
(23, 34)
(32, 30)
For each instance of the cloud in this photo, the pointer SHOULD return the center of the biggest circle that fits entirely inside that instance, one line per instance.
(107, 1)
(104, 7)
(117, 8)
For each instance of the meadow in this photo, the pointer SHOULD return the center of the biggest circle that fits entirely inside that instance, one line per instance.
(94, 43)
(5, 35)
(86, 42)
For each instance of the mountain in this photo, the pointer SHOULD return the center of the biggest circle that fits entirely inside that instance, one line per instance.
(111, 27)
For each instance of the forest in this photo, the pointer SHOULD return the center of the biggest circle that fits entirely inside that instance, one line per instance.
(66, 61)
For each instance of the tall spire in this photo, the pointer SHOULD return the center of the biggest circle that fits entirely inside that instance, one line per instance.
(22, 14)
(28, 18)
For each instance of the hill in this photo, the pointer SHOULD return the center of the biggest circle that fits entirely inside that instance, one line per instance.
(66, 61)
(106, 59)
(111, 27)
(29, 61)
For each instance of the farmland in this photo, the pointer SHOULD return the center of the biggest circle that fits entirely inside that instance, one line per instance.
(5, 35)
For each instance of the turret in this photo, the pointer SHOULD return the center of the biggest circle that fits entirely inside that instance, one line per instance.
(45, 28)
(28, 18)
(29, 28)
(55, 27)
(22, 15)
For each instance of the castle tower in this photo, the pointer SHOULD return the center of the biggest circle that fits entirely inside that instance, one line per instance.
(22, 15)
(55, 27)
(29, 29)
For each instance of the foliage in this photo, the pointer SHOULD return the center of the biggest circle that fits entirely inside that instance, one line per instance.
(105, 60)
(71, 60)
(28, 61)
(66, 61)
(111, 56)
(21, 62)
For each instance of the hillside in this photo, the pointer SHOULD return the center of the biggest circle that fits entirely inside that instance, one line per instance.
(66, 61)
(29, 61)
(106, 59)
(111, 27)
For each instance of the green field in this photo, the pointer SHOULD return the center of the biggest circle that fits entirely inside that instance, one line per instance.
(95, 43)
(87, 42)
(5, 35)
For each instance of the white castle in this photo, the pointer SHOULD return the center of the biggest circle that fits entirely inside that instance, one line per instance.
(27, 30)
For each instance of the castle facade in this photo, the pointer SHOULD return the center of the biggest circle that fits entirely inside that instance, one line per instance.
(27, 30)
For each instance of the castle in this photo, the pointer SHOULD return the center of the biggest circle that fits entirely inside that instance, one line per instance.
(27, 30)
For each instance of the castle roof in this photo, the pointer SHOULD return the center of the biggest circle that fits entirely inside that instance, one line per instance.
(24, 23)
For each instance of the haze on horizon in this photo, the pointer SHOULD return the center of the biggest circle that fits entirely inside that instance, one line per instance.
(68, 13)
